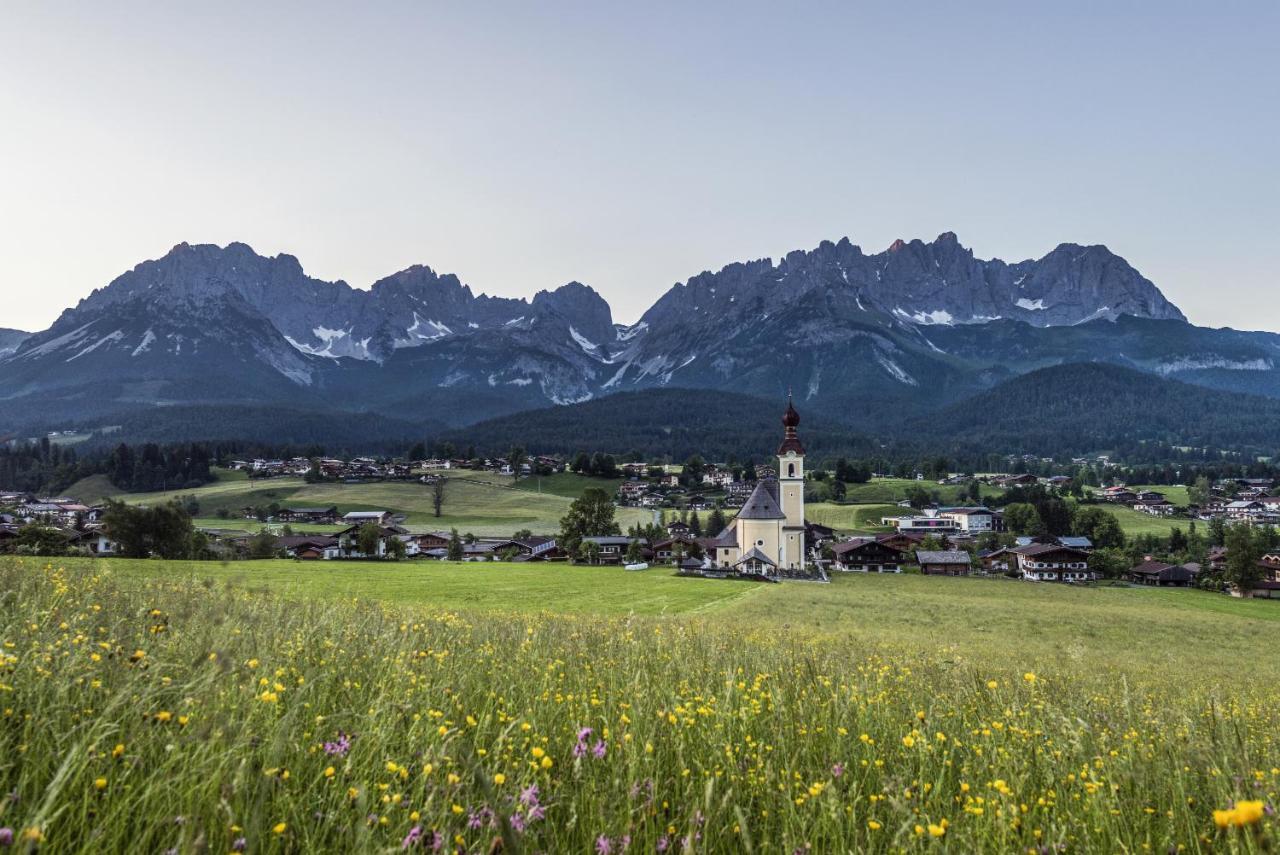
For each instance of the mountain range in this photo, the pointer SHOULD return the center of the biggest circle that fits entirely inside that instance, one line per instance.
(862, 339)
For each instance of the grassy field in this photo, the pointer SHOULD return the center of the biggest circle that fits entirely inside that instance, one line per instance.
(280, 708)
(892, 490)
(474, 502)
(562, 588)
(1135, 522)
(1175, 493)
(849, 517)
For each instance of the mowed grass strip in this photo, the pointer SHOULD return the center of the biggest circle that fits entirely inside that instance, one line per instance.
(485, 586)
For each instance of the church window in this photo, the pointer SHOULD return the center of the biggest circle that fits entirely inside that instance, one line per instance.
(791, 470)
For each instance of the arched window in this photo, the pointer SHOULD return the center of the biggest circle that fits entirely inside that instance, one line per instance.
(791, 470)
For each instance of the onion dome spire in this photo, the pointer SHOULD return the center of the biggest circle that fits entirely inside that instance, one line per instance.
(790, 421)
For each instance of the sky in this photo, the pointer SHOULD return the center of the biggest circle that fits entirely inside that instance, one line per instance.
(631, 146)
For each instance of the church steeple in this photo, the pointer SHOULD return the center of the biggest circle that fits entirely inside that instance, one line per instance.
(790, 421)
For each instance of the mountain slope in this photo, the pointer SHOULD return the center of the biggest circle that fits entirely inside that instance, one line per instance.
(867, 339)
(674, 423)
(1091, 407)
(10, 339)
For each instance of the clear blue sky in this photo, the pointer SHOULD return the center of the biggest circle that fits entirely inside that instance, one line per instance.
(632, 145)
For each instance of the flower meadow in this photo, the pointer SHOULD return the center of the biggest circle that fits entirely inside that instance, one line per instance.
(186, 717)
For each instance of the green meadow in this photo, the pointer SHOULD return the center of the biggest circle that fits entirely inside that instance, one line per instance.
(283, 707)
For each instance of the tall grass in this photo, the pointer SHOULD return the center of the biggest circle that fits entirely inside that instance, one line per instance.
(196, 717)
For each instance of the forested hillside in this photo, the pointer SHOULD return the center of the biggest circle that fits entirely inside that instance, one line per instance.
(1090, 407)
(656, 423)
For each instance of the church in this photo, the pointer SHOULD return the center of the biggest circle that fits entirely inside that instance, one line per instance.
(767, 536)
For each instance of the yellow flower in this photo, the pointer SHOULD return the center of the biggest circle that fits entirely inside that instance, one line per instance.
(1244, 813)
(992, 684)
(118, 751)
(1029, 677)
(937, 830)
(873, 825)
(328, 771)
(352, 793)
(457, 809)
(546, 763)
(252, 663)
(908, 741)
(100, 784)
(183, 720)
(279, 828)
(538, 753)
(163, 716)
(499, 779)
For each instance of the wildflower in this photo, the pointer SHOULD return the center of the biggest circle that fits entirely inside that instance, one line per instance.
(1244, 813)
(529, 795)
(873, 825)
(412, 838)
(499, 779)
(100, 784)
(163, 716)
(517, 822)
(239, 844)
(603, 845)
(992, 684)
(328, 771)
(537, 753)
(837, 770)
(279, 828)
(908, 741)
(937, 830)
(598, 750)
(546, 763)
(1029, 677)
(138, 656)
(6, 836)
(118, 751)
(338, 747)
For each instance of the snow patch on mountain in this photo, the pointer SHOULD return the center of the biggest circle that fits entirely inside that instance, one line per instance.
(1030, 305)
(583, 342)
(110, 337)
(1199, 363)
(147, 339)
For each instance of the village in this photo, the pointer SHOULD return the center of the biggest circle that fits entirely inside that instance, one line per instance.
(714, 520)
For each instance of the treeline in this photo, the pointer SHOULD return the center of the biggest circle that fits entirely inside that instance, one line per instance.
(360, 433)
(1082, 408)
(658, 425)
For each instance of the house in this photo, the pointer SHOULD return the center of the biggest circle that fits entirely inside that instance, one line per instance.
(1052, 562)
(348, 540)
(927, 523)
(1160, 574)
(665, 550)
(1000, 560)
(538, 548)
(1007, 481)
(970, 520)
(904, 542)
(1154, 507)
(1246, 510)
(949, 562)
(381, 518)
(612, 548)
(1266, 588)
(434, 540)
(326, 546)
(867, 555)
(98, 543)
(676, 528)
(323, 516)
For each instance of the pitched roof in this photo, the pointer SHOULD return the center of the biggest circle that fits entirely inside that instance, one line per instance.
(761, 505)
(756, 555)
(949, 556)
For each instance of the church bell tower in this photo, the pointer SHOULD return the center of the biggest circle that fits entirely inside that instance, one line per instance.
(791, 490)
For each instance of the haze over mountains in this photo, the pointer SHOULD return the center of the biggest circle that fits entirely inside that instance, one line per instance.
(911, 329)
